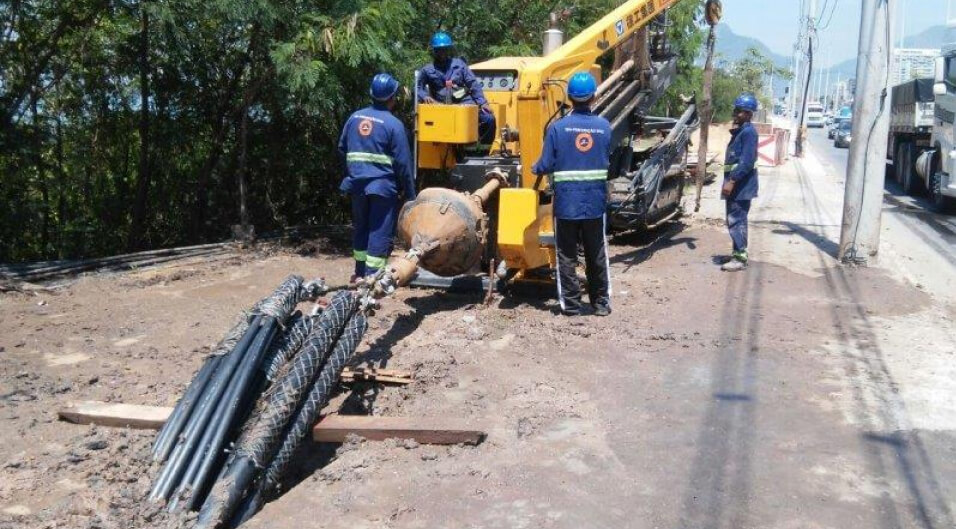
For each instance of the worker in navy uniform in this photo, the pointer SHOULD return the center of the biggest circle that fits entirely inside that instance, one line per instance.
(576, 152)
(740, 180)
(379, 170)
(449, 80)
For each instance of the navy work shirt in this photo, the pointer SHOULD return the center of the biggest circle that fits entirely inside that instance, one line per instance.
(377, 155)
(576, 152)
(740, 162)
(432, 82)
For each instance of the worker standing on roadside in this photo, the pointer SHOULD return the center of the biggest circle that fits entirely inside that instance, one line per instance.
(740, 179)
(576, 153)
(449, 80)
(379, 167)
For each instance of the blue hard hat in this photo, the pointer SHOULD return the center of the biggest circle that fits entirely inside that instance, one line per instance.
(746, 101)
(582, 86)
(383, 87)
(441, 40)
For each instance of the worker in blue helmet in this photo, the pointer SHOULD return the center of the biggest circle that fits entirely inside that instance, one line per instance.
(740, 180)
(576, 154)
(449, 80)
(378, 173)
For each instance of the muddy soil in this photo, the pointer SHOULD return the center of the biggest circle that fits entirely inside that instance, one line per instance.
(794, 395)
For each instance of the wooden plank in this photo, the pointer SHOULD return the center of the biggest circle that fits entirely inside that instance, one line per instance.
(330, 429)
(385, 376)
(443, 431)
(115, 414)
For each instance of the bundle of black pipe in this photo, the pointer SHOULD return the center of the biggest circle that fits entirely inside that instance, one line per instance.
(285, 416)
(193, 440)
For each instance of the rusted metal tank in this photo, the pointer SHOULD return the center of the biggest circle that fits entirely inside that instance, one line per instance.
(452, 225)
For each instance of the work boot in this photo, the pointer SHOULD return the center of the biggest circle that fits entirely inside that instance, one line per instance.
(570, 312)
(602, 310)
(723, 259)
(735, 265)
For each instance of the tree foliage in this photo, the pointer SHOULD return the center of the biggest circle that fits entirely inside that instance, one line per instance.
(130, 123)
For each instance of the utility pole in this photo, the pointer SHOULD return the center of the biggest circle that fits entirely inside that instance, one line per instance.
(863, 198)
(796, 87)
(805, 89)
(826, 85)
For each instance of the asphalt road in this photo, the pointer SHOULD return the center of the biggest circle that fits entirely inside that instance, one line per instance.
(937, 231)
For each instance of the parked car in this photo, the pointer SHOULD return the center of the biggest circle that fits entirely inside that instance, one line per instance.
(831, 130)
(843, 134)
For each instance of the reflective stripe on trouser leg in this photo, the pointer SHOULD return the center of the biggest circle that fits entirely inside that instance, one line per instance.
(607, 259)
(382, 213)
(567, 239)
(557, 272)
(596, 261)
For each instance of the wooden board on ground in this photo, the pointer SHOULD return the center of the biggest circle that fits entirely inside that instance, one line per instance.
(330, 429)
(334, 429)
(118, 415)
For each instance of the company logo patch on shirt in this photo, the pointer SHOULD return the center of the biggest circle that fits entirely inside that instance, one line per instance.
(365, 127)
(584, 141)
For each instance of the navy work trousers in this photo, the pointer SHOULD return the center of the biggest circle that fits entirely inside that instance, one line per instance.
(590, 232)
(373, 223)
(737, 211)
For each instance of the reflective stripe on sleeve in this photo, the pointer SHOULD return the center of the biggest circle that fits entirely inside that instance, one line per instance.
(369, 157)
(580, 176)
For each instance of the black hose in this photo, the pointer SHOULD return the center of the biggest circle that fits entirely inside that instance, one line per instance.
(307, 415)
(289, 344)
(171, 428)
(169, 477)
(276, 410)
(227, 422)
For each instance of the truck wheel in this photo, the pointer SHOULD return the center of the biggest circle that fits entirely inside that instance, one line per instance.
(910, 181)
(941, 202)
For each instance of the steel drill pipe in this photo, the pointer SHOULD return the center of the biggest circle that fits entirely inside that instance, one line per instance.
(174, 425)
(260, 441)
(169, 477)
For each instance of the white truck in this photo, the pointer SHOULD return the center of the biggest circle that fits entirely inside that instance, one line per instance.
(937, 166)
(911, 130)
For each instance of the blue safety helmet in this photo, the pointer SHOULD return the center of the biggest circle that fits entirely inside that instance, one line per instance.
(441, 40)
(581, 87)
(383, 87)
(746, 101)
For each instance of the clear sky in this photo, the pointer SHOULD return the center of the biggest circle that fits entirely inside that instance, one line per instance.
(775, 22)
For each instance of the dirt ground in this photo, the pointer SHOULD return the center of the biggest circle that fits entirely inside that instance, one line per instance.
(799, 394)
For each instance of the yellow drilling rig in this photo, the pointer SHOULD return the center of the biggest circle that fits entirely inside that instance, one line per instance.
(495, 212)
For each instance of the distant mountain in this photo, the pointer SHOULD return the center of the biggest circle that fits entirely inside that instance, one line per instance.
(732, 47)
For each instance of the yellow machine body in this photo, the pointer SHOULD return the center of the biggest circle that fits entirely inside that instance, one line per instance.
(525, 93)
(456, 124)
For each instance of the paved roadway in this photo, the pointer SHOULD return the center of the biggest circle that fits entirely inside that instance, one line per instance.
(936, 231)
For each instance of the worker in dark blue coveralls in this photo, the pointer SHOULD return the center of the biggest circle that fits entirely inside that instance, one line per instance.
(576, 154)
(740, 180)
(449, 80)
(379, 169)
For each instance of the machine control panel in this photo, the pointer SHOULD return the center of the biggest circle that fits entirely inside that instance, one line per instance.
(497, 81)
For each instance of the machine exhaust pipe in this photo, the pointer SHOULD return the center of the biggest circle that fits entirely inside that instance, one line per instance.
(553, 37)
